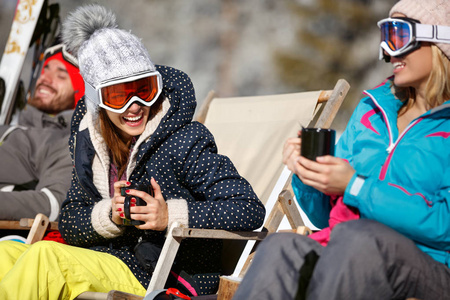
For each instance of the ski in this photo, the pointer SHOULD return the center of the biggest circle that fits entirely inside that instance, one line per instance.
(19, 40)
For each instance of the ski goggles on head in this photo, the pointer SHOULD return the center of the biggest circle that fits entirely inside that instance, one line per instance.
(118, 94)
(60, 49)
(400, 36)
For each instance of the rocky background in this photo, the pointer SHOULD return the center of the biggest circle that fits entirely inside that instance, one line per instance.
(253, 47)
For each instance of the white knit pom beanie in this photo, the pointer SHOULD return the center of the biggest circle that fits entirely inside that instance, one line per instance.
(104, 52)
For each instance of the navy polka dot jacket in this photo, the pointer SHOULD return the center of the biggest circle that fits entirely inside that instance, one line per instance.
(202, 188)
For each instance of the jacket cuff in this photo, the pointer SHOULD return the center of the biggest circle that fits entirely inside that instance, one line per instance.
(353, 189)
(102, 222)
(178, 212)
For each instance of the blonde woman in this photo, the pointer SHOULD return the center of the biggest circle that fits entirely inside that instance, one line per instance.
(383, 202)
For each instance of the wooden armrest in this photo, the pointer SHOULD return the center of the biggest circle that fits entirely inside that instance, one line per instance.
(27, 223)
(11, 225)
(24, 224)
(181, 232)
(303, 230)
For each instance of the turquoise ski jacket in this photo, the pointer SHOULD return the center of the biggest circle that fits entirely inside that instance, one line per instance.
(402, 179)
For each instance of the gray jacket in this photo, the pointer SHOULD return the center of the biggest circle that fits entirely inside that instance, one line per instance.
(35, 164)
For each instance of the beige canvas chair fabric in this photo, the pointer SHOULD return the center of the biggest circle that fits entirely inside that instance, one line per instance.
(251, 131)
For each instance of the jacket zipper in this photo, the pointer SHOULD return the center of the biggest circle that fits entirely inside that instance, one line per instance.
(392, 145)
(386, 120)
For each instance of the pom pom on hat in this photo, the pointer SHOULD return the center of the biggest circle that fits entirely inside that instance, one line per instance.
(431, 12)
(104, 52)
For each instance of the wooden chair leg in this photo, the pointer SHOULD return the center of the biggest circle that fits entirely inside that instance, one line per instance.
(118, 295)
(165, 261)
(227, 287)
(37, 231)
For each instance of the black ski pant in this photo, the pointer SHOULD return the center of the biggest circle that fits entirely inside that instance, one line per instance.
(363, 260)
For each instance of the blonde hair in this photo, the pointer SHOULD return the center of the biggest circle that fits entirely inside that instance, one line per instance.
(438, 85)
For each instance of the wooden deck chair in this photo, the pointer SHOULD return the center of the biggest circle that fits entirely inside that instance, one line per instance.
(252, 132)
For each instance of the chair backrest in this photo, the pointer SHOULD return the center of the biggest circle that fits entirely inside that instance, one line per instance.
(251, 131)
(252, 127)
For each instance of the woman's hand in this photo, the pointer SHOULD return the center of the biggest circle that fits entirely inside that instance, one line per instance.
(328, 174)
(155, 214)
(291, 152)
(117, 202)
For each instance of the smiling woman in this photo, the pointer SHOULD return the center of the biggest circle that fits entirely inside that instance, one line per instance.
(134, 127)
(383, 201)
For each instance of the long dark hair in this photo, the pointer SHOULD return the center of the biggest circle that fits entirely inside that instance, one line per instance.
(120, 148)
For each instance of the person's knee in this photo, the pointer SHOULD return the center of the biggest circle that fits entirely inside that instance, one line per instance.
(276, 242)
(358, 229)
(6, 244)
(280, 238)
(283, 240)
(11, 248)
(356, 235)
(43, 248)
(360, 235)
(287, 245)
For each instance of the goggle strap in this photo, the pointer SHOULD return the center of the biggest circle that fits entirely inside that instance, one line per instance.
(433, 33)
(91, 92)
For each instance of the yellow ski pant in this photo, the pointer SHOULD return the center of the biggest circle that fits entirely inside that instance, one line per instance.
(51, 270)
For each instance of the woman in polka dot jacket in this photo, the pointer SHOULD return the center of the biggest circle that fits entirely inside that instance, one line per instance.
(202, 189)
(161, 147)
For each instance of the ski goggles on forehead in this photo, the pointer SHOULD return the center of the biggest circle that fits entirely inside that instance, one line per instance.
(402, 35)
(52, 51)
(118, 94)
